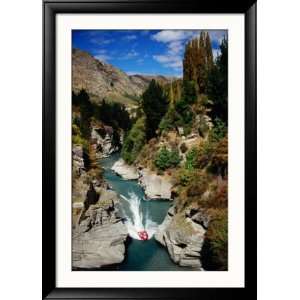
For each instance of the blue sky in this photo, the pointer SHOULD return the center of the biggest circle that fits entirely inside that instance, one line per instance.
(149, 52)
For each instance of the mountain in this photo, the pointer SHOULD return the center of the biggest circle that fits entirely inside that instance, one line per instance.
(102, 80)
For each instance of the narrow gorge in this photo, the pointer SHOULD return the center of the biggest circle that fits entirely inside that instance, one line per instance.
(149, 164)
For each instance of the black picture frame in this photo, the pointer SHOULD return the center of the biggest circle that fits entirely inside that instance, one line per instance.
(50, 9)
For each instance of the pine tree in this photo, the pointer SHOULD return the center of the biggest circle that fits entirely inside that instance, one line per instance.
(154, 104)
(86, 111)
(217, 88)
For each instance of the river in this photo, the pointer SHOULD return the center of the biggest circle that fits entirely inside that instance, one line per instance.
(141, 255)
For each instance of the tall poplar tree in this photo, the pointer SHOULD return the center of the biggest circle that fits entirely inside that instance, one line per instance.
(198, 60)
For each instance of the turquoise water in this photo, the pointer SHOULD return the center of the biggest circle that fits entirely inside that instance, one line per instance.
(141, 255)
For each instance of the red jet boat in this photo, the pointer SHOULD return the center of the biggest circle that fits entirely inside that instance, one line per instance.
(143, 235)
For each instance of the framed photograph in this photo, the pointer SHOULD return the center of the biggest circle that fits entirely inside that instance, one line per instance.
(149, 150)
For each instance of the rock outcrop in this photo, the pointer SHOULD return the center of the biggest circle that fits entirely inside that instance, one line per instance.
(78, 163)
(79, 176)
(155, 186)
(99, 236)
(183, 235)
(102, 136)
(124, 170)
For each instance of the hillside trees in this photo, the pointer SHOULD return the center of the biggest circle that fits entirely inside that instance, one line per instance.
(211, 78)
(134, 141)
(154, 105)
(86, 112)
(198, 61)
(167, 158)
(217, 85)
(113, 114)
(180, 113)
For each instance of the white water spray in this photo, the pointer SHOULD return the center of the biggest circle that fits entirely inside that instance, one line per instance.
(137, 221)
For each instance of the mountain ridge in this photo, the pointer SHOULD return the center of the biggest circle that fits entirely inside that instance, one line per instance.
(105, 81)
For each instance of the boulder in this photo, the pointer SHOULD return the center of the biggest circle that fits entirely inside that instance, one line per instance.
(155, 186)
(78, 162)
(99, 238)
(183, 238)
(124, 170)
(103, 139)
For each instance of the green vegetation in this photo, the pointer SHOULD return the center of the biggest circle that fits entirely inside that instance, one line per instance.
(85, 113)
(181, 113)
(189, 95)
(191, 159)
(195, 107)
(167, 159)
(113, 114)
(215, 248)
(219, 131)
(217, 85)
(154, 105)
(198, 61)
(134, 141)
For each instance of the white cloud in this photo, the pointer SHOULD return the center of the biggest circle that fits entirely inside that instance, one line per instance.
(175, 47)
(167, 36)
(216, 53)
(130, 73)
(169, 60)
(102, 55)
(175, 41)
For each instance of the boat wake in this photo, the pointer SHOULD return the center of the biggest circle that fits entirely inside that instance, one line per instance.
(138, 222)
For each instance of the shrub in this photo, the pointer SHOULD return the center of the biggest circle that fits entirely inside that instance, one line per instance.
(191, 159)
(166, 123)
(219, 158)
(219, 195)
(166, 159)
(198, 185)
(184, 177)
(219, 131)
(134, 141)
(75, 129)
(215, 248)
(205, 153)
(78, 140)
(187, 129)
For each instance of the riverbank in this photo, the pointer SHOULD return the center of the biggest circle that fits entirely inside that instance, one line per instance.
(140, 255)
(155, 186)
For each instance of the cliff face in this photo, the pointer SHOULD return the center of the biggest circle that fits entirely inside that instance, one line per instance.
(102, 137)
(98, 235)
(183, 235)
(102, 80)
